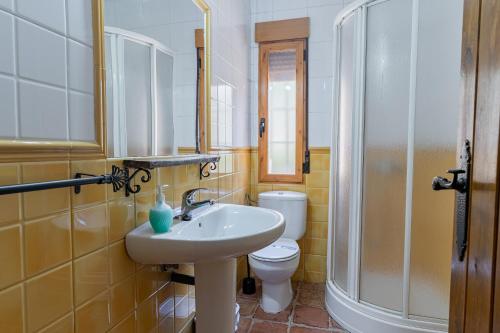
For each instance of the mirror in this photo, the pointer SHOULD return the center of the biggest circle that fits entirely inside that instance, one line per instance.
(155, 76)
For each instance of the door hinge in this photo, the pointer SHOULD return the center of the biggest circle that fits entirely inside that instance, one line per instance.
(305, 55)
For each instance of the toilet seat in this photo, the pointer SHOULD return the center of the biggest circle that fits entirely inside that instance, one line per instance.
(281, 250)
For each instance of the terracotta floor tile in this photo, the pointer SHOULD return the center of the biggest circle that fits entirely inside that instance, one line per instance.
(298, 329)
(244, 325)
(308, 308)
(280, 316)
(311, 297)
(268, 327)
(311, 316)
(247, 306)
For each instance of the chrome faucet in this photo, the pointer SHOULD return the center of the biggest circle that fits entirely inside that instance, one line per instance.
(188, 204)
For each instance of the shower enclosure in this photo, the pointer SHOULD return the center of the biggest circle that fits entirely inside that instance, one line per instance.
(139, 73)
(396, 104)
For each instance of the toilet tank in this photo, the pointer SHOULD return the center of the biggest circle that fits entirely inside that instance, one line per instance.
(293, 206)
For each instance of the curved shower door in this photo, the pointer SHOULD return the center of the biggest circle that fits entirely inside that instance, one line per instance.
(396, 120)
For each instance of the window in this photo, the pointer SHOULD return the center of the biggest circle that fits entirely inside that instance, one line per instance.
(283, 155)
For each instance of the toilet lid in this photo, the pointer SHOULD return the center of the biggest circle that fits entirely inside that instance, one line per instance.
(281, 250)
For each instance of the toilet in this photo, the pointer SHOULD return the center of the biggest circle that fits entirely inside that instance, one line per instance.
(276, 263)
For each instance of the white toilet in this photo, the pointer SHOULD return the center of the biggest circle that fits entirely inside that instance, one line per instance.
(276, 263)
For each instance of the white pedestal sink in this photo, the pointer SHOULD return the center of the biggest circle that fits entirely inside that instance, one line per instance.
(211, 240)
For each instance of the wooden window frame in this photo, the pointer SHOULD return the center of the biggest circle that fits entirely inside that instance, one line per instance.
(265, 48)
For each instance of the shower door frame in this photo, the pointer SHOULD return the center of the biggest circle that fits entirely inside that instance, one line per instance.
(351, 297)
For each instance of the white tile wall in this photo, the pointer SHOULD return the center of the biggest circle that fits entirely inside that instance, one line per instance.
(160, 33)
(8, 125)
(43, 111)
(81, 116)
(183, 11)
(49, 13)
(322, 14)
(41, 54)
(183, 35)
(224, 109)
(80, 20)
(40, 63)
(80, 64)
(231, 68)
(7, 43)
(8, 4)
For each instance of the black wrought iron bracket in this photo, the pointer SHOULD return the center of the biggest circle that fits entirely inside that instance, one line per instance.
(205, 169)
(119, 178)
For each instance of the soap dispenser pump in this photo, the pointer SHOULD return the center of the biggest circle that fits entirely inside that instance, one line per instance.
(162, 215)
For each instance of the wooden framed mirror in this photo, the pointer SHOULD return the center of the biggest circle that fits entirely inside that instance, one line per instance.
(51, 83)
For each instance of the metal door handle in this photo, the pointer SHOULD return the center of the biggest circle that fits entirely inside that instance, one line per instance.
(459, 183)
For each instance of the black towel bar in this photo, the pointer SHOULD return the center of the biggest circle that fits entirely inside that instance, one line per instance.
(119, 178)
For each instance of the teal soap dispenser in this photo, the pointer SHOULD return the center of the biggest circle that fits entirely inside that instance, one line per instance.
(162, 215)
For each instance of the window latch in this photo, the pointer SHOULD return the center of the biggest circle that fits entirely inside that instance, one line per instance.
(262, 126)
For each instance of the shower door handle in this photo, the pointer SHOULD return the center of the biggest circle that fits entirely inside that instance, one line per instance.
(459, 183)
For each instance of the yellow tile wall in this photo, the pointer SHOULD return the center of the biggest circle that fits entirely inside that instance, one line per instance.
(312, 266)
(64, 262)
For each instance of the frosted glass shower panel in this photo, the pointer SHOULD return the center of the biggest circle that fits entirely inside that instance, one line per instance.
(436, 123)
(397, 98)
(344, 152)
(137, 95)
(385, 148)
(165, 114)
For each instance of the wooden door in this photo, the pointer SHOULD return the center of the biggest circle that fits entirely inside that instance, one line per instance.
(475, 284)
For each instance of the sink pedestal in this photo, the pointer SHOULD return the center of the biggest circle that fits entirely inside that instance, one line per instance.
(215, 296)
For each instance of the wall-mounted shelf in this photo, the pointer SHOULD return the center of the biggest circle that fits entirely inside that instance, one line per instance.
(169, 161)
(206, 162)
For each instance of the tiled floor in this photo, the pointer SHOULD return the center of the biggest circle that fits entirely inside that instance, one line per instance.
(306, 314)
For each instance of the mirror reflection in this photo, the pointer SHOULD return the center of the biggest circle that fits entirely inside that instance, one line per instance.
(154, 76)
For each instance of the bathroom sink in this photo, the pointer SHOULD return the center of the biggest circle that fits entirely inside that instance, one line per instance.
(212, 240)
(218, 232)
